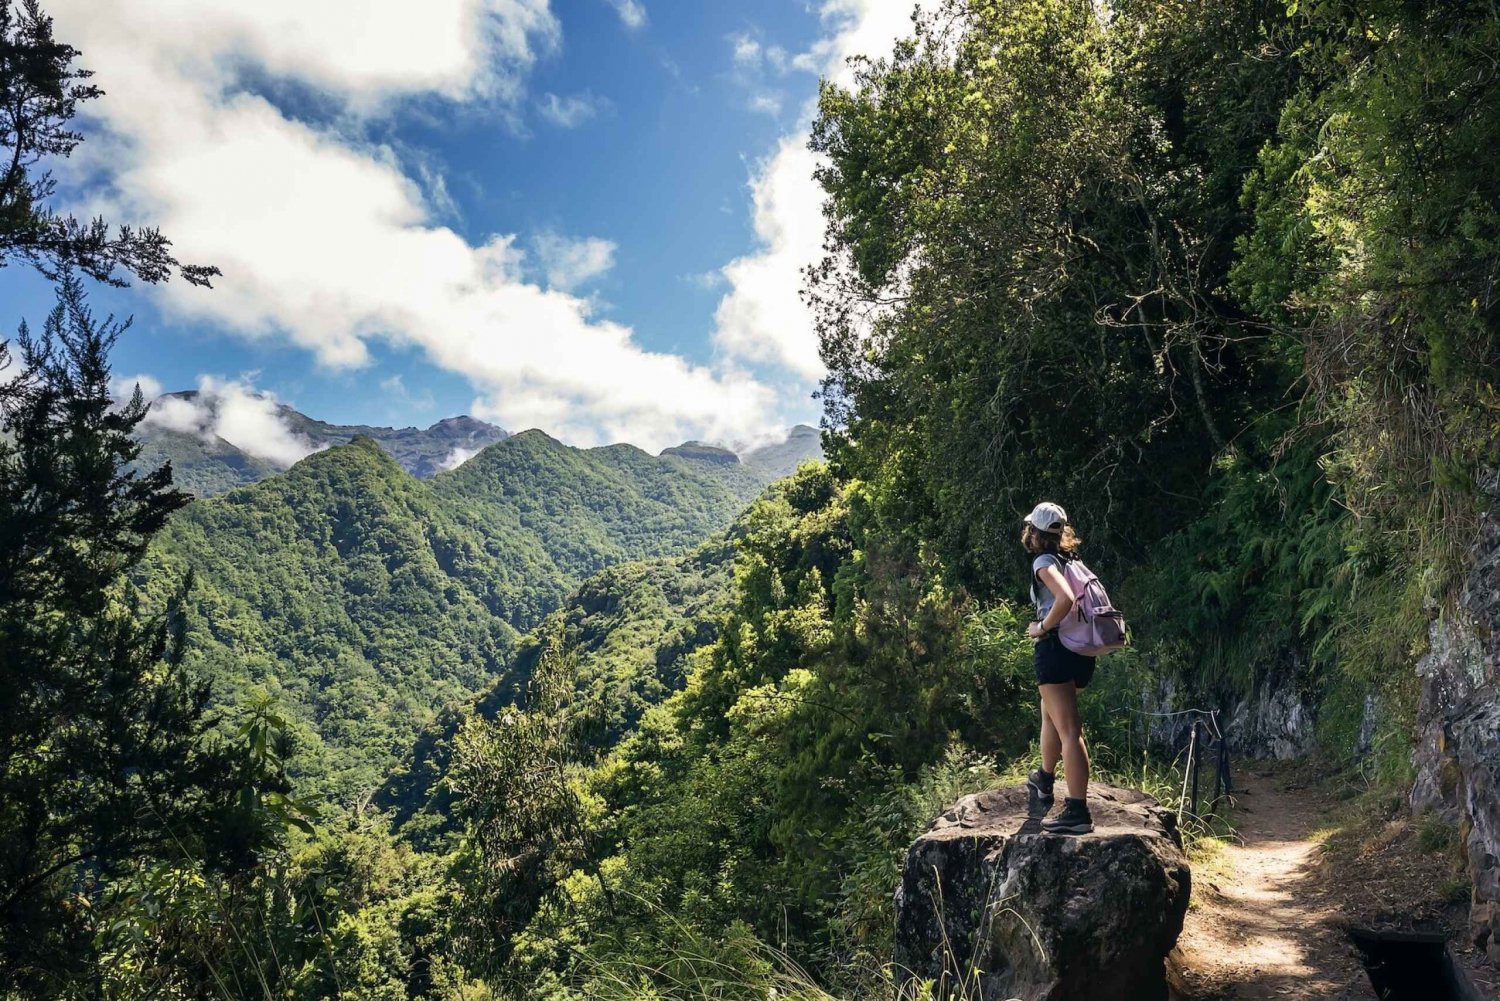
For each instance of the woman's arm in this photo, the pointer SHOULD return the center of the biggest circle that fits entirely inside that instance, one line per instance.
(1062, 600)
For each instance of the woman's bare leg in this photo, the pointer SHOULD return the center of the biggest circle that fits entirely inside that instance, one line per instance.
(1060, 706)
(1051, 743)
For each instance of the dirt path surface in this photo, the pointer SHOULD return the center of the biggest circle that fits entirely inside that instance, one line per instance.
(1262, 925)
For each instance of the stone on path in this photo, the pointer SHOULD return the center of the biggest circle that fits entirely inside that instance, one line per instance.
(991, 908)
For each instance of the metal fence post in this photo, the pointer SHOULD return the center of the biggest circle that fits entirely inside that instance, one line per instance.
(1194, 759)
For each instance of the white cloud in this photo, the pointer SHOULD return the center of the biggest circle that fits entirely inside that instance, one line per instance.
(458, 457)
(250, 421)
(248, 418)
(761, 318)
(746, 51)
(173, 413)
(706, 280)
(631, 12)
(364, 51)
(750, 55)
(324, 241)
(122, 386)
(570, 112)
(570, 262)
(766, 103)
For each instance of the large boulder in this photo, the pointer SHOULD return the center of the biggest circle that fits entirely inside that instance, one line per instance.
(990, 907)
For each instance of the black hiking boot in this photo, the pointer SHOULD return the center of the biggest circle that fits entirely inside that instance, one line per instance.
(1074, 819)
(1039, 793)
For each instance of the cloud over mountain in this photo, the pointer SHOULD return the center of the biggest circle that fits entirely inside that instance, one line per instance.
(325, 241)
(334, 241)
(234, 410)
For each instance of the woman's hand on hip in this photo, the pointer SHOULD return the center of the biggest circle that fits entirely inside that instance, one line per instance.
(1034, 630)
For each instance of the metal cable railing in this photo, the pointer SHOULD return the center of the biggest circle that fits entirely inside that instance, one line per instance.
(1205, 740)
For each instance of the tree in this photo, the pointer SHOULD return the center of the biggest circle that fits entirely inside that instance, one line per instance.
(40, 91)
(1031, 214)
(103, 761)
(518, 780)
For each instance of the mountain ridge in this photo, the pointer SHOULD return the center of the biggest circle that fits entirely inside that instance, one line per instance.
(206, 464)
(366, 598)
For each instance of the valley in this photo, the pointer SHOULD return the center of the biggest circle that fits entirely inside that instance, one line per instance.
(364, 599)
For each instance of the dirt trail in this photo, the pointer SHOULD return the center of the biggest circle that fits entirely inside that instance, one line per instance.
(1262, 925)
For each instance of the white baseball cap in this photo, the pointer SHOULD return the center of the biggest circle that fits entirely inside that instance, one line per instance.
(1047, 517)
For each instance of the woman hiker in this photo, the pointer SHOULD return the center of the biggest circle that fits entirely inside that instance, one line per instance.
(1060, 673)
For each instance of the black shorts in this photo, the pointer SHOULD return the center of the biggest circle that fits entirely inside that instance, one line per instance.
(1056, 664)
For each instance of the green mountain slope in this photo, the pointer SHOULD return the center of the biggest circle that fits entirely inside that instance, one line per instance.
(206, 465)
(345, 589)
(590, 508)
(633, 629)
(366, 599)
(203, 465)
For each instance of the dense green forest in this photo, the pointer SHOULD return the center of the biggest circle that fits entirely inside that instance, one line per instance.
(1220, 278)
(363, 600)
(202, 465)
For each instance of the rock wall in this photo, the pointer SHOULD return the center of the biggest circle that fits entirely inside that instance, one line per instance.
(1457, 756)
(1273, 721)
(989, 907)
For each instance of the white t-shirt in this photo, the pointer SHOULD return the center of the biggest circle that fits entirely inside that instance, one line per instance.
(1041, 594)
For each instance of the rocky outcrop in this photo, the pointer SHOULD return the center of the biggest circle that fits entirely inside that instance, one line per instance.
(989, 907)
(1276, 720)
(1474, 739)
(697, 451)
(1457, 756)
(1452, 670)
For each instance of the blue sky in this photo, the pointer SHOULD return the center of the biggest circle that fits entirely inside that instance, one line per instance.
(583, 215)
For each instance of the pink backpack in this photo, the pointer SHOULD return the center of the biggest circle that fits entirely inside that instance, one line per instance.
(1093, 626)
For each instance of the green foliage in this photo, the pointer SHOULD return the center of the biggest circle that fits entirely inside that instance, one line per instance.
(366, 600)
(841, 673)
(633, 628)
(107, 773)
(40, 93)
(348, 593)
(516, 779)
(591, 508)
(203, 468)
(1020, 197)
(351, 913)
(1219, 278)
(1377, 201)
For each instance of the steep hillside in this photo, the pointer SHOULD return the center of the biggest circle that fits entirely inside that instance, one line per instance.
(347, 590)
(366, 599)
(590, 508)
(183, 431)
(202, 464)
(632, 628)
